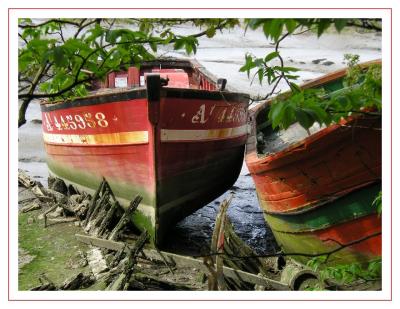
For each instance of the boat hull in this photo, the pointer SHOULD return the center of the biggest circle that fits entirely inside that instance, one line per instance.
(317, 193)
(178, 153)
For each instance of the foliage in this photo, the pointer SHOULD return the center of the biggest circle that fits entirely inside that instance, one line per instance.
(361, 93)
(346, 273)
(362, 90)
(277, 30)
(60, 58)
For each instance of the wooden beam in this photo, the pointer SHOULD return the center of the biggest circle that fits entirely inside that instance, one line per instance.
(183, 261)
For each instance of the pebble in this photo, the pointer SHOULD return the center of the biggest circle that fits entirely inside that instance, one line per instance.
(30, 220)
(316, 61)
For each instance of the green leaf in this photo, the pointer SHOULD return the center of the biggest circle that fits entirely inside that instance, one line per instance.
(179, 43)
(286, 69)
(260, 74)
(291, 25)
(248, 65)
(340, 23)
(293, 77)
(59, 59)
(271, 56)
(305, 119)
(153, 46)
(322, 25)
(294, 87)
(266, 28)
(210, 32)
(276, 113)
(276, 28)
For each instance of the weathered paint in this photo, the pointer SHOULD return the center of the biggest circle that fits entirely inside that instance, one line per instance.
(179, 152)
(355, 205)
(367, 229)
(107, 139)
(343, 221)
(322, 187)
(328, 164)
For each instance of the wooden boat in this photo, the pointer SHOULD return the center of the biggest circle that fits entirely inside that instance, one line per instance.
(168, 131)
(316, 190)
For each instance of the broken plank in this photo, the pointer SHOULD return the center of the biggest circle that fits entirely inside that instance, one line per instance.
(184, 261)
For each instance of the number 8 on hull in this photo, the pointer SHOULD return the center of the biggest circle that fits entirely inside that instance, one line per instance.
(168, 131)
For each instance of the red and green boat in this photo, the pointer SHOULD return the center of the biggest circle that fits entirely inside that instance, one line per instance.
(316, 190)
(168, 131)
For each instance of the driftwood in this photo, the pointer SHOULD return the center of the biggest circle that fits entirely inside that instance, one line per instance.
(92, 204)
(93, 225)
(126, 217)
(78, 281)
(184, 261)
(47, 212)
(122, 281)
(52, 221)
(98, 204)
(141, 281)
(41, 194)
(58, 185)
(118, 257)
(68, 210)
(31, 206)
(226, 249)
(45, 284)
(57, 196)
(217, 246)
(24, 180)
(105, 222)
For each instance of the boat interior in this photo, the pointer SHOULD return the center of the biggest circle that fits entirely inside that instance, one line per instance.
(270, 141)
(178, 73)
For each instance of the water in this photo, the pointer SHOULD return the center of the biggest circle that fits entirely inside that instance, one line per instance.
(223, 56)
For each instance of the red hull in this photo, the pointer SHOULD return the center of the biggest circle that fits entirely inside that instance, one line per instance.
(178, 148)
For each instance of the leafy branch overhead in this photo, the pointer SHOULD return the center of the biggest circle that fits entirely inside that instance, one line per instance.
(60, 58)
(361, 93)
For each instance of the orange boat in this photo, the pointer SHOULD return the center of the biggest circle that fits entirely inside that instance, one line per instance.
(316, 190)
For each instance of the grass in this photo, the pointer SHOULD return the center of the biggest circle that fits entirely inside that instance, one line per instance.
(52, 248)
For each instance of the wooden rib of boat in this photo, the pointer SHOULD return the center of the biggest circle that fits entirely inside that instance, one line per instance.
(168, 131)
(316, 190)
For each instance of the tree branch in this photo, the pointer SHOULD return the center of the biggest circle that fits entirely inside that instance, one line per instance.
(55, 94)
(60, 21)
(29, 95)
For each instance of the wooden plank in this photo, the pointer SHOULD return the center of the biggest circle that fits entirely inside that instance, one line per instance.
(183, 261)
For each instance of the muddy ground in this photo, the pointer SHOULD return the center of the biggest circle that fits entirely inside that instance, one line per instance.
(53, 254)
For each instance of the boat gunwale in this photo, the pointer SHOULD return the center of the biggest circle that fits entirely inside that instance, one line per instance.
(232, 94)
(318, 203)
(251, 144)
(141, 93)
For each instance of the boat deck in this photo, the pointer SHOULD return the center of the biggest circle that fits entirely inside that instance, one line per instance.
(275, 141)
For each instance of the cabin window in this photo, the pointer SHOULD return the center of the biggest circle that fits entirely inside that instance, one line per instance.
(121, 82)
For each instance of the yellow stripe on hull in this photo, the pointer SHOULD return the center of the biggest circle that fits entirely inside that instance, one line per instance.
(120, 138)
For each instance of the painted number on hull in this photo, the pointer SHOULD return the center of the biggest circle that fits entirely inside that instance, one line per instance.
(75, 122)
(226, 115)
